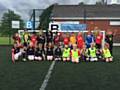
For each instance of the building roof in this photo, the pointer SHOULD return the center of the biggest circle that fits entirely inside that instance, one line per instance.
(88, 11)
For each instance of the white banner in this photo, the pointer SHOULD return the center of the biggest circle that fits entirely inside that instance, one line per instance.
(15, 24)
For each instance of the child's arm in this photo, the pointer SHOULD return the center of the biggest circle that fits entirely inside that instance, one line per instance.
(13, 59)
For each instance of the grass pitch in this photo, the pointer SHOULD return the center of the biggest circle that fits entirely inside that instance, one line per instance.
(65, 76)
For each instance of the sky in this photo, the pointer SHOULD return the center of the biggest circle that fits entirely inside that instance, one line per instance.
(22, 7)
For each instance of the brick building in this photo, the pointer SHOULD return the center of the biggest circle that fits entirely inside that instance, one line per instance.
(105, 17)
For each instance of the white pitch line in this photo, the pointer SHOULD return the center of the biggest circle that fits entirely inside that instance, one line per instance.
(47, 77)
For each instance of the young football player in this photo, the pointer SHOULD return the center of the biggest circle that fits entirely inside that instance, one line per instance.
(98, 40)
(106, 53)
(26, 38)
(33, 39)
(30, 52)
(24, 53)
(58, 53)
(66, 53)
(84, 53)
(39, 52)
(17, 39)
(92, 53)
(49, 36)
(16, 53)
(89, 39)
(49, 51)
(75, 53)
(57, 39)
(72, 40)
(109, 40)
(66, 40)
(80, 41)
(41, 39)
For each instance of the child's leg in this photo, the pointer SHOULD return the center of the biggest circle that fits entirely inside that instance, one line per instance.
(95, 59)
(68, 59)
(31, 57)
(56, 58)
(64, 59)
(48, 58)
(73, 59)
(36, 58)
(59, 58)
(16, 56)
(39, 58)
(106, 59)
(51, 57)
(110, 59)
(77, 60)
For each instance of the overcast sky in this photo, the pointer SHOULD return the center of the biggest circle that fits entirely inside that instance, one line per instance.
(21, 6)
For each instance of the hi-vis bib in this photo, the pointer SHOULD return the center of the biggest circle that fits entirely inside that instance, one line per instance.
(75, 54)
(107, 53)
(92, 52)
(66, 52)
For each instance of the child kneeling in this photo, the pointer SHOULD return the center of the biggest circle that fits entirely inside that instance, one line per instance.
(30, 52)
(75, 53)
(49, 52)
(58, 53)
(66, 53)
(106, 53)
(39, 53)
(92, 53)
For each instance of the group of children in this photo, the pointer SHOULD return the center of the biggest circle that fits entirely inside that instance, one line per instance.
(72, 47)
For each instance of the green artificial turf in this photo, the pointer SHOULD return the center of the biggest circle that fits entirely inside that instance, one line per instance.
(87, 76)
(21, 75)
(65, 76)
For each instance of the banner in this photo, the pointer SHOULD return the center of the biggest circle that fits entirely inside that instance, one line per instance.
(72, 27)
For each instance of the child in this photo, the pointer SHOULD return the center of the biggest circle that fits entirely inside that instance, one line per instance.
(58, 53)
(92, 53)
(39, 52)
(80, 41)
(66, 40)
(98, 40)
(33, 39)
(72, 40)
(66, 53)
(30, 52)
(49, 51)
(16, 52)
(24, 53)
(106, 53)
(89, 39)
(75, 53)
(109, 40)
(84, 53)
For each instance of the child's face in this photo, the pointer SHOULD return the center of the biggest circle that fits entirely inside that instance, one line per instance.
(15, 45)
(92, 45)
(50, 44)
(40, 46)
(74, 47)
(105, 47)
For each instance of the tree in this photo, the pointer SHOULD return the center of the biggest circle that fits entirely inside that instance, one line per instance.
(45, 18)
(81, 3)
(99, 3)
(6, 23)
